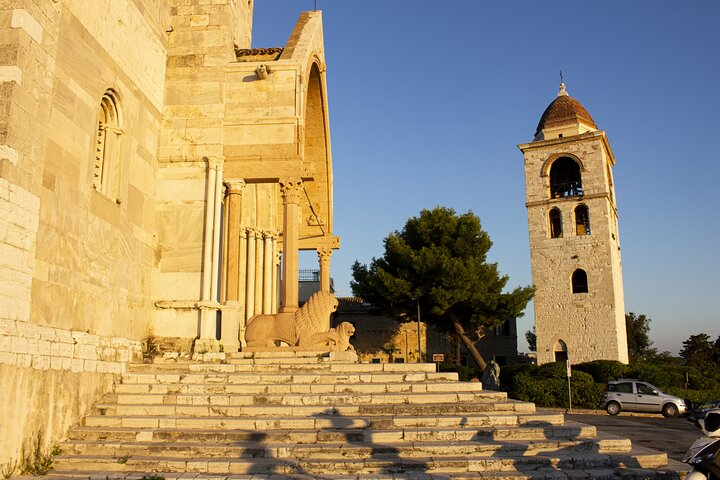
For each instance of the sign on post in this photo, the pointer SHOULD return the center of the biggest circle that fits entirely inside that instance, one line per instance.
(438, 358)
(569, 374)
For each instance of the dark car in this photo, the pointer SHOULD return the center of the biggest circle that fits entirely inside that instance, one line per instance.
(699, 412)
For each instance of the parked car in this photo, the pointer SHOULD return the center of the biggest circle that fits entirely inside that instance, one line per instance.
(696, 413)
(632, 395)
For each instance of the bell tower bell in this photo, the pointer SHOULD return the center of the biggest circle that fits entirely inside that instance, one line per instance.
(574, 240)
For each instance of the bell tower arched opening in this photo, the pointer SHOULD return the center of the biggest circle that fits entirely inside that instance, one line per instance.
(565, 178)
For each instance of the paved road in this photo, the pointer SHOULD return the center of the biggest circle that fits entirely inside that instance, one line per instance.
(671, 435)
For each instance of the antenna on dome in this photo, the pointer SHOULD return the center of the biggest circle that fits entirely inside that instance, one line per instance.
(561, 76)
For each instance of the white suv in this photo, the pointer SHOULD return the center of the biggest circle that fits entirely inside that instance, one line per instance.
(632, 395)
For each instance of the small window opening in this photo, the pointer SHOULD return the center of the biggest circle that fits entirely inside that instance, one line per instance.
(565, 178)
(560, 135)
(582, 220)
(579, 281)
(502, 330)
(555, 223)
(106, 174)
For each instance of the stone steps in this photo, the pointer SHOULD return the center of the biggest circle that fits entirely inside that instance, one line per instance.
(277, 378)
(292, 399)
(319, 422)
(263, 447)
(537, 474)
(380, 460)
(326, 386)
(337, 411)
(310, 435)
(284, 367)
(303, 416)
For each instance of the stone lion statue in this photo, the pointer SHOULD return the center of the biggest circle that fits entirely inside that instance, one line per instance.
(307, 327)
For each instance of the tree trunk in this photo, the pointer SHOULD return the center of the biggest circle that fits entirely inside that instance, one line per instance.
(456, 349)
(470, 345)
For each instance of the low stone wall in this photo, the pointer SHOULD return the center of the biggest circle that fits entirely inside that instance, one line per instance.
(51, 377)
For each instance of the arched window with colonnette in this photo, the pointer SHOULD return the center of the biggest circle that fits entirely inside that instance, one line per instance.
(106, 172)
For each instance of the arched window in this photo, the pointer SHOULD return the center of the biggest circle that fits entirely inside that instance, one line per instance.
(560, 351)
(565, 179)
(582, 220)
(106, 174)
(579, 281)
(555, 217)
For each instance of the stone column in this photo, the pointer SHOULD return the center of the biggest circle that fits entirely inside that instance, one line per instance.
(217, 227)
(207, 304)
(250, 278)
(259, 264)
(242, 265)
(267, 273)
(291, 189)
(324, 255)
(275, 275)
(207, 240)
(232, 314)
(232, 260)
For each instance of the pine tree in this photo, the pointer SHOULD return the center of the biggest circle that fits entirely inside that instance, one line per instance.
(438, 263)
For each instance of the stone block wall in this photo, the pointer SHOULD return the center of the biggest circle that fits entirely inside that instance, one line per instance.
(75, 264)
(591, 324)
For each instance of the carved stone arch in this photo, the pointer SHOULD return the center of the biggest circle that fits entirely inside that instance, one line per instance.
(560, 350)
(316, 154)
(545, 169)
(563, 175)
(107, 160)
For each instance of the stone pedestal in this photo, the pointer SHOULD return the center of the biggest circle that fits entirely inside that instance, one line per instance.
(231, 333)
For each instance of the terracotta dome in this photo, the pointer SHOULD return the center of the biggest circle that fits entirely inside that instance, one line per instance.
(564, 110)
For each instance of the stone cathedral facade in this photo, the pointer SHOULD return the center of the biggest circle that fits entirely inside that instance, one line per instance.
(158, 177)
(574, 240)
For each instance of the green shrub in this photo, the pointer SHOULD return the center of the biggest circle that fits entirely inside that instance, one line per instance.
(695, 397)
(553, 392)
(540, 391)
(38, 461)
(603, 370)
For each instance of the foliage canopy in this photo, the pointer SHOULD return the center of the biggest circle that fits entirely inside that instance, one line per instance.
(638, 337)
(438, 262)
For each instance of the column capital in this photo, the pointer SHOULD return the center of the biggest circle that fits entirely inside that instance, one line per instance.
(324, 255)
(269, 234)
(290, 187)
(215, 162)
(234, 187)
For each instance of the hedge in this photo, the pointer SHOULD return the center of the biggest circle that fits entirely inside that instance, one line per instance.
(546, 385)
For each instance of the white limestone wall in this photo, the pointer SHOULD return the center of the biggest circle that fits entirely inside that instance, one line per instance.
(591, 324)
(74, 265)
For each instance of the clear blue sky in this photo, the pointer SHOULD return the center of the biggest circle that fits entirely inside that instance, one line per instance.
(429, 99)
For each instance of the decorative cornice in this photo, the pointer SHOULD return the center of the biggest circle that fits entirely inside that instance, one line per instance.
(258, 54)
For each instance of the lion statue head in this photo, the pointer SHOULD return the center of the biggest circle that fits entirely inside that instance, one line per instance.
(345, 330)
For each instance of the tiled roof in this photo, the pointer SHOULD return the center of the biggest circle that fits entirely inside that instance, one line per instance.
(351, 305)
(564, 110)
(258, 54)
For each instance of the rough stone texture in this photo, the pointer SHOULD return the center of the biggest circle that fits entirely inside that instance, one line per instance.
(592, 325)
(306, 415)
(86, 276)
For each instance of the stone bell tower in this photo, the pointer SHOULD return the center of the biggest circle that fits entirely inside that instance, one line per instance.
(574, 241)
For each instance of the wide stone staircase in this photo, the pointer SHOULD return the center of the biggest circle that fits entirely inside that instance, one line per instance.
(293, 415)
